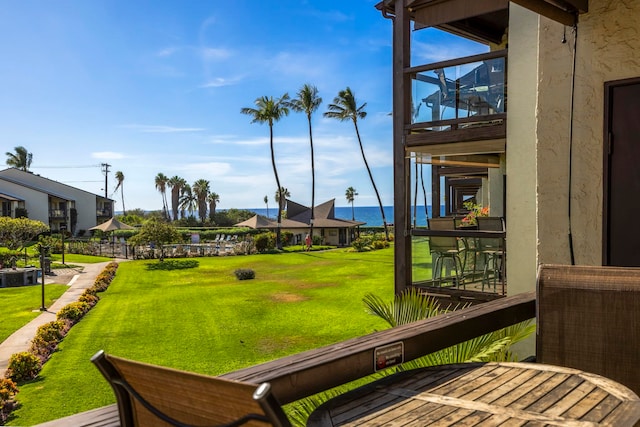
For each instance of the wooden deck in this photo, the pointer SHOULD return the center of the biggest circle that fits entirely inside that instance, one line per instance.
(310, 372)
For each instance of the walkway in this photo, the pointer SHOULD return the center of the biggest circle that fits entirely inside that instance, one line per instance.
(78, 281)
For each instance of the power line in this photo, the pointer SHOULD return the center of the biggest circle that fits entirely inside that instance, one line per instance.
(65, 167)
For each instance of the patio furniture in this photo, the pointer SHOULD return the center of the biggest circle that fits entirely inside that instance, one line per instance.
(588, 319)
(443, 248)
(475, 394)
(493, 250)
(149, 395)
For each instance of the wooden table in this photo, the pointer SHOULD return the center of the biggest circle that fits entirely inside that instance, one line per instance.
(484, 394)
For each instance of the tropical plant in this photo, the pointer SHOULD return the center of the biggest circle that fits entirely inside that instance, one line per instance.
(308, 101)
(281, 198)
(157, 232)
(161, 185)
(177, 184)
(269, 110)
(266, 202)
(188, 201)
(200, 189)
(343, 108)
(351, 194)
(213, 199)
(120, 179)
(20, 158)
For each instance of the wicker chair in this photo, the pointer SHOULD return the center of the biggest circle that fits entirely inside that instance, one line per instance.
(589, 319)
(149, 395)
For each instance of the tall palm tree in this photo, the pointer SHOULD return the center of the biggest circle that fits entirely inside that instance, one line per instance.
(343, 108)
(188, 201)
(266, 202)
(269, 110)
(351, 194)
(20, 158)
(161, 185)
(281, 198)
(308, 101)
(177, 184)
(120, 179)
(201, 191)
(213, 199)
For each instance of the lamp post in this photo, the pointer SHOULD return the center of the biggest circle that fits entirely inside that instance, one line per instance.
(43, 252)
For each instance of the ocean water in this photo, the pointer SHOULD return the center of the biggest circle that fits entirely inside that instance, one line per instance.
(369, 214)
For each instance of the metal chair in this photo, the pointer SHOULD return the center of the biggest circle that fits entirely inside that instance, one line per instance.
(492, 249)
(149, 395)
(443, 248)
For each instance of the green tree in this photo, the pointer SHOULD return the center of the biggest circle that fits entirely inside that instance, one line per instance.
(269, 110)
(161, 181)
(120, 179)
(188, 201)
(177, 184)
(281, 198)
(343, 108)
(16, 232)
(201, 191)
(308, 101)
(20, 158)
(351, 194)
(213, 199)
(157, 232)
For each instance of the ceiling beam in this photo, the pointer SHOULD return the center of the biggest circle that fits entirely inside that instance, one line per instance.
(549, 10)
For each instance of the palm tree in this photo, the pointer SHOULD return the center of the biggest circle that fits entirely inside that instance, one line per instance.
(161, 185)
(201, 190)
(343, 108)
(281, 198)
(188, 201)
(20, 158)
(308, 102)
(213, 200)
(120, 179)
(266, 202)
(351, 194)
(176, 183)
(269, 110)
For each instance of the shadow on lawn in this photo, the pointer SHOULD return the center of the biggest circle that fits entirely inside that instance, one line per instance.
(173, 265)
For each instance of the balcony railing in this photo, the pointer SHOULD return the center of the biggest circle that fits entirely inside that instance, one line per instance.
(57, 213)
(103, 213)
(461, 94)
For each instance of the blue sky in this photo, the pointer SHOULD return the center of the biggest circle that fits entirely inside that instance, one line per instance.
(157, 86)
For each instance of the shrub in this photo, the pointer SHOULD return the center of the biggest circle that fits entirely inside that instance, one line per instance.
(265, 242)
(245, 273)
(8, 389)
(89, 298)
(73, 311)
(23, 366)
(47, 338)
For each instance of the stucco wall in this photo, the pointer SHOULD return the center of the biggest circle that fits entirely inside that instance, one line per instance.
(608, 50)
(521, 150)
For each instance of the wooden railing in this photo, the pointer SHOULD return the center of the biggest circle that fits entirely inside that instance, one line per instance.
(304, 374)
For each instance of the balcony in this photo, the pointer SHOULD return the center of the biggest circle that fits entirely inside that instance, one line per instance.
(103, 213)
(461, 101)
(57, 213)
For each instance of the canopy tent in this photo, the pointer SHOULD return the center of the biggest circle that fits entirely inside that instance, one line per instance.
(111, 225)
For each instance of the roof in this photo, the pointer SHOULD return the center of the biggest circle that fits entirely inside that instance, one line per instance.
(12, 198)
(299, 216)
(42, 185)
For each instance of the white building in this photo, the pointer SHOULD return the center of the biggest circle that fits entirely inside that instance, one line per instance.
(58, 205)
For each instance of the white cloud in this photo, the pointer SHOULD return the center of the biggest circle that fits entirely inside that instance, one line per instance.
(222, 81)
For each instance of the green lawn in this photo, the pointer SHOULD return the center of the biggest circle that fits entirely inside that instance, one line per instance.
(20, 305)
(204, 320)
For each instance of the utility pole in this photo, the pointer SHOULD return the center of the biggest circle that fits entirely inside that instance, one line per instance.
(105, 170)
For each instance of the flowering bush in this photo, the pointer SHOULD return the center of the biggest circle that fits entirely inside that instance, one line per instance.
(8, 389)
(23, 366)
(474, 212)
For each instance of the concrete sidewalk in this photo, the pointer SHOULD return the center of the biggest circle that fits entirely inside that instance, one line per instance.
(77, 281)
